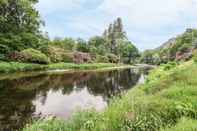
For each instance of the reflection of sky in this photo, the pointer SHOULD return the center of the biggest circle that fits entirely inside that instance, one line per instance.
(62, 106)
(141, 79)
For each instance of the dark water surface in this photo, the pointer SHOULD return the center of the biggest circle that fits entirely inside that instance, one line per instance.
(60, 95)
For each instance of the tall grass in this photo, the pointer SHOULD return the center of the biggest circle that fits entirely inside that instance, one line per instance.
(185, 124)
(163, 103)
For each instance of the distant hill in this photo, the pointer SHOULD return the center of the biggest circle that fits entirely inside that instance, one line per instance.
(179, 48)
(167, 44)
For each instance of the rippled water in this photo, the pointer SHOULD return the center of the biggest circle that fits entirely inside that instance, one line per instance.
(60, 94)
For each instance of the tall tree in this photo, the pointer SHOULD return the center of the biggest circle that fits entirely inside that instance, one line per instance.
(115, 33)
(19, 15)
(20, 23)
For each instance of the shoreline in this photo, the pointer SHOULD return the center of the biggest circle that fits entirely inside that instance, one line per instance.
(101, 67)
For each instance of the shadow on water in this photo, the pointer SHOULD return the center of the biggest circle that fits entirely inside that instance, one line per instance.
(25, 98)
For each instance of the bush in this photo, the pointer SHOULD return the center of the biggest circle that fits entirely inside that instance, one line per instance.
(81, 57)
(16, 56)
(101, 59)
(4, 50)
(67, 57)
(34, 56)
(195, 56)
(57, 54)
(113, 58)
(169, 65)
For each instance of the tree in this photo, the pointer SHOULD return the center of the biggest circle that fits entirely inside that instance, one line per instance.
(19, 16)
(147, 57)
(20, 22)
(127, 51)
(113, 34)
(66, 43)
(98, 45)
(82, 46)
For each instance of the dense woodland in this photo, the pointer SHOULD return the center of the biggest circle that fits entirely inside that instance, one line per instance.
(21, 40)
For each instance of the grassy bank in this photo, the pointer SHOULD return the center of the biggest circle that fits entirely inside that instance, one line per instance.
(10, 67)
(166, 102)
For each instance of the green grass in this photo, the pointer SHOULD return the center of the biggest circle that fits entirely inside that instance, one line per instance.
(163, 103)
(184, 124)
(10, 67)
(88, 66)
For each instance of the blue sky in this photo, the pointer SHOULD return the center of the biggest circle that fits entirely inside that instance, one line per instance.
(148, 23)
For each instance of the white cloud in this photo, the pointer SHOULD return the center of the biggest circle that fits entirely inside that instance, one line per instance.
(49, 6)
(146, 13)
(147, 22)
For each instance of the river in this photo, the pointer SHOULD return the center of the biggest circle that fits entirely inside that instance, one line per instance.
(60, 94)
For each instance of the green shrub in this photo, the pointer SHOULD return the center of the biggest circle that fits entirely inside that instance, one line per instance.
(9, 67)
(57, 54)
(169, 65)
(113, 58)
(4, 50)
(185, 124)
(67, 57)
(34, 56)
(195, 56)
(101, 59)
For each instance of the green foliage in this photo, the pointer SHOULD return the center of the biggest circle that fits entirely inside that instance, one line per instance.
(4, 50)
(101, 59)
(82, 46)
(19, 16)
(9, 67)
(57, 54)
(19, 41)
(147, 57)
(169, 66)
(195, 56)
(80, 66)
(20, 31)
(34, 56)
(19, 28)
(97, 45)
(128, 51)
(185, 124)
(179, 49)
(113, 58)
(67, 43)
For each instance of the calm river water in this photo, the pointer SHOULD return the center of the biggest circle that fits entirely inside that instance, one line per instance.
(22, 99)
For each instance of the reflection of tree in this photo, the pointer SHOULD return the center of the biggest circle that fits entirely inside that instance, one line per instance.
(16, 96)
(112, 83)
(16, 106)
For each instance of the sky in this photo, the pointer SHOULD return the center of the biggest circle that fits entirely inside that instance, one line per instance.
(148, 23)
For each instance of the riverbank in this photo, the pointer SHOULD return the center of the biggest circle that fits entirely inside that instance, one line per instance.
(11, 67)
(163, 103)
(15, 70)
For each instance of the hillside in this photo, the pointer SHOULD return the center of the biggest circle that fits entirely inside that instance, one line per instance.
(179, 48)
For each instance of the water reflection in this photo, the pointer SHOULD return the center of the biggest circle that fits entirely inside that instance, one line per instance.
(60, 95)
